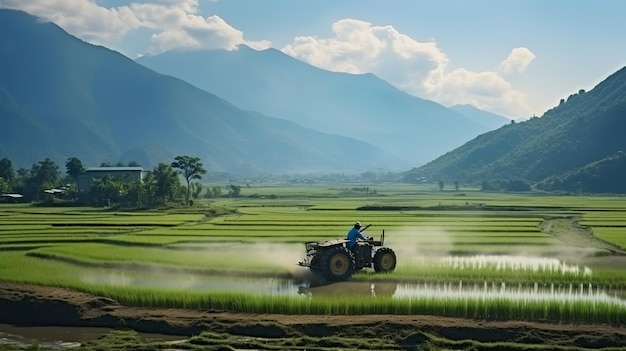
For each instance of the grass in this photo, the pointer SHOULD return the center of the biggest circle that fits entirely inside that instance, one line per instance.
(555, 310)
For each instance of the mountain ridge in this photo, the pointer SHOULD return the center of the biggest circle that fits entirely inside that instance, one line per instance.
(362, 106)
(66, 98)
(582, 130)
(488, 119)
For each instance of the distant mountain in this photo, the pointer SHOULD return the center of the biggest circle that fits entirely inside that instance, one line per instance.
(61, 97)
(573, 147)
(487, 119)
(359, 106)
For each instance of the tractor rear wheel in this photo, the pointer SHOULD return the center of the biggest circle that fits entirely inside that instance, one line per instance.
(315, 264)
(384, 260)
(337, 263)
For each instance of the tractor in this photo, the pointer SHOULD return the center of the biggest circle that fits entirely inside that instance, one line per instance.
(332, 260)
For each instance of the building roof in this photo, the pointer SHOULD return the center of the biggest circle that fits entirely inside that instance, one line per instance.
(13, 196)
(113, 169)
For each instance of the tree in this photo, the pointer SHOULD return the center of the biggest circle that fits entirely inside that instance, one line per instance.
(7, 175)
(19, 183)
(4, 186)
(441, 185)
(6, 170)
(197, 190)
(216, 191)
(43, 175)
(190, 168)
(74, 167)
(234, 190)
(166, 181)
(104, 191)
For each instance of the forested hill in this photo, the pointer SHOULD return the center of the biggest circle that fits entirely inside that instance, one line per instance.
(576, 146)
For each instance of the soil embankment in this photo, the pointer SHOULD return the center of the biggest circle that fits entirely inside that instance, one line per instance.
(32, 305)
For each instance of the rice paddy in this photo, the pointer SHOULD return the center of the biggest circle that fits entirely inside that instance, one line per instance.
(467, 254)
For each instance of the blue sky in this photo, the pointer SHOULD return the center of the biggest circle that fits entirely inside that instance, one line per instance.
(514, 58)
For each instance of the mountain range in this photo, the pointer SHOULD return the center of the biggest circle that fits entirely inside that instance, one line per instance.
(359, 106)
(243, 112)
(61, 97)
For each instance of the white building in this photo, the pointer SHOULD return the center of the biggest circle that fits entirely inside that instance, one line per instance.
(131, 174)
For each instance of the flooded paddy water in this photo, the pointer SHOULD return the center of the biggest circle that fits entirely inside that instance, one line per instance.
(299, 282)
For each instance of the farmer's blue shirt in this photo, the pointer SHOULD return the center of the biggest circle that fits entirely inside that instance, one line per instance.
(353, 235)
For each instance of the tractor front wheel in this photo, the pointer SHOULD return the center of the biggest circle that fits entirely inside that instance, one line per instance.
(337, 263)
(384, 260)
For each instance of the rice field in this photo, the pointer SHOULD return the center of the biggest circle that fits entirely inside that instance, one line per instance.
(468, 254)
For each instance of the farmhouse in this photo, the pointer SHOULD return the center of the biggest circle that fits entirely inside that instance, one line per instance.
(86, 179)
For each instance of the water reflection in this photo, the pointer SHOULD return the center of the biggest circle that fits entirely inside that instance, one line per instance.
(513, 263)
(349, 289)
(311, 288)
(516, 292)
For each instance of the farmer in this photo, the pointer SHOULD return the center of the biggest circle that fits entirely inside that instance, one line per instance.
(354, 234)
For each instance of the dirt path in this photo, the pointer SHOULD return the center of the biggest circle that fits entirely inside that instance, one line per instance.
(569, 231)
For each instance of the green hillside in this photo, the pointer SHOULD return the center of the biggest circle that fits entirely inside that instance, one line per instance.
(583, 135)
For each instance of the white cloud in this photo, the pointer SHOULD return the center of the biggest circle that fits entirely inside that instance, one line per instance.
(517, 61)
(82, 18)
(359, 47)
(420, 68)
(173, 24)
(485, 90)
(180, 30)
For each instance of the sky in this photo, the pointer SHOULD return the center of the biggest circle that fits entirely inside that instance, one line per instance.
(516, 58)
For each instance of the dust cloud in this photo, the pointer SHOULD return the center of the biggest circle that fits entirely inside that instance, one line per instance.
(284, 257)
(416, 245)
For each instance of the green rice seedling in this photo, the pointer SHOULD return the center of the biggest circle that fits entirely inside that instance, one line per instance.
(613, 235)
(241, 258)
(441, 304)
(76, 248)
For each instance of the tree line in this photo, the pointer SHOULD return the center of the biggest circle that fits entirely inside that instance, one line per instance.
(44, 183)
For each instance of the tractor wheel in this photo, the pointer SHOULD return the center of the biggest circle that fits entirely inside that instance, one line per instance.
(384, 260)
(337, 263)
(315, 264)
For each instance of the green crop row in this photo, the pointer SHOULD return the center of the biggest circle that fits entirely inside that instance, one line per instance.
(616, 236)
(61, 246)
(271, 261)
(494, 309)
